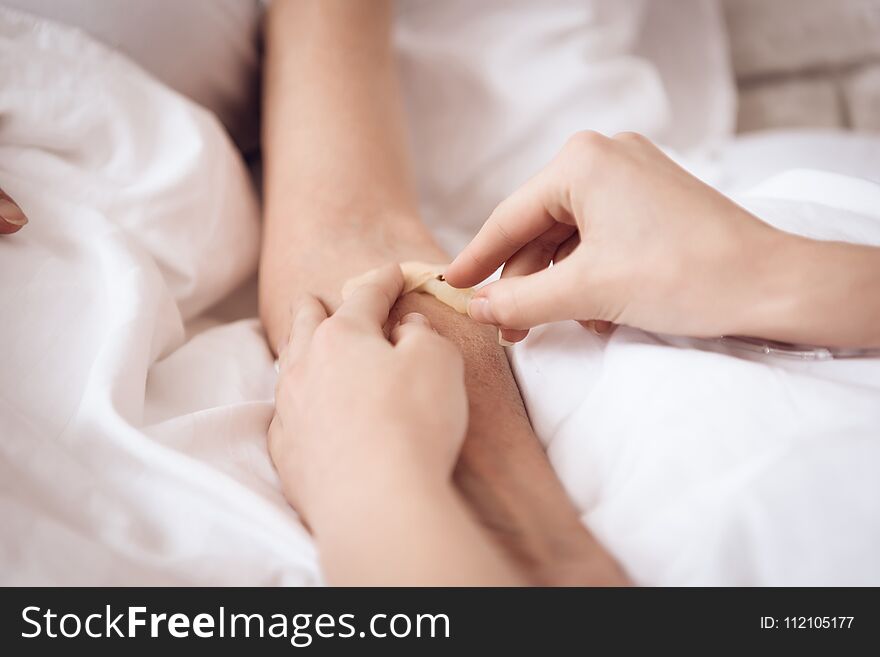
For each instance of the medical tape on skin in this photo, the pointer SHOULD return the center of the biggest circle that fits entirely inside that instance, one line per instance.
(425, 278)
(418, 277)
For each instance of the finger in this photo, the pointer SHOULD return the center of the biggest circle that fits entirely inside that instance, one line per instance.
(308, 316)
(533, 257)
(530, 211)
(282, 455)
(598, 326)
(567, 248)
(509, 337)
(527, 301)
(539, 253)
(409, 325)
(369, 304)
(11, 216)
(423, 343)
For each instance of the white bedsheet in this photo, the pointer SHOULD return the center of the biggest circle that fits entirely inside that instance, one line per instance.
(130, 451)
(132, 422)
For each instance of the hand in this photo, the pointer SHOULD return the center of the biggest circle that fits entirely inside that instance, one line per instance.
(647, 245)
(354, 408)
(11, 216)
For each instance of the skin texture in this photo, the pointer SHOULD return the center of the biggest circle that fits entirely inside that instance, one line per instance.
(412, 385)
(339, 201)
(637, 240)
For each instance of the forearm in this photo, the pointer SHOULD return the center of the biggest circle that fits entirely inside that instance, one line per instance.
(815, 292)
(338, 193)
(333, 146)
(409, 530)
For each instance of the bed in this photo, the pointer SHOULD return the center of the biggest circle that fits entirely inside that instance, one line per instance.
(136, 385)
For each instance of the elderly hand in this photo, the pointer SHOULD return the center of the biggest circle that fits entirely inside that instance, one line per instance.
(354, 408)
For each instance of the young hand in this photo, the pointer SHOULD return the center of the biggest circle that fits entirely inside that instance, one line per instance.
(634, 239)
(355, 409)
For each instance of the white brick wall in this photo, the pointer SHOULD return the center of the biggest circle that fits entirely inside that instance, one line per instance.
(806, 62)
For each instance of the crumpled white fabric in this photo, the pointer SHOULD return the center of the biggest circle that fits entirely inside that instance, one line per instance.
(130, 451)
(495, 88)
(133, 419)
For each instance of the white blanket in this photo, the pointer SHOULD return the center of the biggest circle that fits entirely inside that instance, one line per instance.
(132, 420)
(131, 452)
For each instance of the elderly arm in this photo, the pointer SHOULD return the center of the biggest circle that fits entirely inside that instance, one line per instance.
(339, 200)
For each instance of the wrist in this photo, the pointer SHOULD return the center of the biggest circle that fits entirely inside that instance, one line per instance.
(818, 292)
(381, 486)
(770, 282)
(792, 280)
(318, 256)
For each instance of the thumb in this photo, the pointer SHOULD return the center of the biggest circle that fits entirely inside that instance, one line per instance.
(410, 325)
(521, 302)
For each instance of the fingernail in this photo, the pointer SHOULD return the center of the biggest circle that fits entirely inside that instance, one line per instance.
(480, 310)
(502, 341)
(11, 213)
(419, 318)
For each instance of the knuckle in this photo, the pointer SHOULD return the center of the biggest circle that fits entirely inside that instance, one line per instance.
(585, 152)
(630, 137)
(585, 141)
